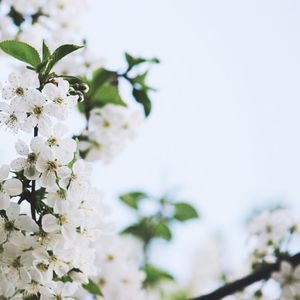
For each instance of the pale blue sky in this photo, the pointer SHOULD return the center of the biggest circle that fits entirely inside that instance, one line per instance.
(225, 125)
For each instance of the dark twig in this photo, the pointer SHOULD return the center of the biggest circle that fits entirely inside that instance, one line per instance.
(263, 273)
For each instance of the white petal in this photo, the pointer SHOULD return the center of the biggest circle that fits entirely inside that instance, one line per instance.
(18, 164)
(30, 79)
(50, 91)
(22, 148)
(37, 144)
(14, 79)
(63, 86)
(31, 172)
(60, 130)
(13, 187)
(4, 200)
(48, 180)
(64, 172)
(13, 211)
(8, 92)
(26, 223)
(285, 268)
(49, 223)
(4, 172)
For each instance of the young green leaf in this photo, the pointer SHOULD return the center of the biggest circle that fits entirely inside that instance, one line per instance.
(21, 51)
(155, 275)
(163, 231)
(46, 51)
(100, 77)
(184, 212)
(142, 97)
(109, 94)
(132, 199)
(92, 288)
(59, 54)
(134, 61)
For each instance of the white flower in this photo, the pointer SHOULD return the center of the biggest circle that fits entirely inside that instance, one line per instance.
(28, 162)
(8, 187)
(289, 280)
(76, 182)
(50, 168)
(20, 85)
(12, 116)
(62, 291)
(38, 110)
(50, 223)
(20, 221)
(60, 100)
(63, 147)
(59, 201)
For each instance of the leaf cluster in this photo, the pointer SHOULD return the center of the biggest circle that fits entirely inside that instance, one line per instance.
(104, 86)
(158, 225)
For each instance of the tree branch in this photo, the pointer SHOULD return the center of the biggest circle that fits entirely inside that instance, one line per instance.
(263, 273)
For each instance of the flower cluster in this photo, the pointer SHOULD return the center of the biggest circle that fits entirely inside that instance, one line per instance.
(273, 233)
(46, 245)
(109, 128)
(118, 260)
(51, 20)
(26, 106)
(289, 280)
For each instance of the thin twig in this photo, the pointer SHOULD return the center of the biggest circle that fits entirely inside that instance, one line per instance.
(263, 273)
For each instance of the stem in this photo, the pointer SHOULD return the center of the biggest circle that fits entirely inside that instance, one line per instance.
(264, 273)
(32, 195)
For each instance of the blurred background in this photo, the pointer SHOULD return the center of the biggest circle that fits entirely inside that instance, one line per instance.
(224, 130)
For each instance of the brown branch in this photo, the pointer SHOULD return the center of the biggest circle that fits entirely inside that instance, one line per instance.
(264, 273)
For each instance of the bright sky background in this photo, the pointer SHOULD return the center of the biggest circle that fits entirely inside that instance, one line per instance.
(224, 132)
(225, 125)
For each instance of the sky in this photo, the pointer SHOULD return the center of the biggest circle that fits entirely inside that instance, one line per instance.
(224, 132)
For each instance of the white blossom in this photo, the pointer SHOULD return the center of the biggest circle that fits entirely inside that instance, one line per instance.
(8, 187)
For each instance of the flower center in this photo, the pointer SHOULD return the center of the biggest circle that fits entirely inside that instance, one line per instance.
(42, 267)
(9, 226)
(51, 166)
(17, 263)
(32, 158)
(59, 100)
(62, 194)
(110, 257)
(38, 110)
(11, 120)
(52, 141)
(106, 124)
(63, 220)
(20, 91)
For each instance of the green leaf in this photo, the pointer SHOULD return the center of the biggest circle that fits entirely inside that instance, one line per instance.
(139, 230)
(142, 97)
(134, 61)
(109, 94)
(155, 275)
(46, 51)
(21, 51)
(60, 53)
(100, 77)
(132, 199)
(92, 288)
(184, 212)
(144, 229)
(163, 231)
